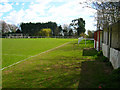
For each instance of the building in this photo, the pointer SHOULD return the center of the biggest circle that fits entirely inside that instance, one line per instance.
(98, 40)
(111, 44)
(16, 35)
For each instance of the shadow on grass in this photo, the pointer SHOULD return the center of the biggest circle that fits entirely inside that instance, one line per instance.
(91, 75)
(95, 74)
(89, 52)
(98, 74)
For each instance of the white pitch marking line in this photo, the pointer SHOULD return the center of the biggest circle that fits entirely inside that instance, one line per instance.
(35, 55)
(14, 54)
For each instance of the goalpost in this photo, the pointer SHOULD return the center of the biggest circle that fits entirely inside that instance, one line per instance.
(80, 39)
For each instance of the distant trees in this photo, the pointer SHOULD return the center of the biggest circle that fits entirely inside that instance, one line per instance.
(7, 28)
(59, 31)
(65, 29)
(45, 32)
(78, 25)
(90, 34)
(70, 32)
(83, 35)
(44, 29)
(34, 28)
(4, 26)
(12, 27)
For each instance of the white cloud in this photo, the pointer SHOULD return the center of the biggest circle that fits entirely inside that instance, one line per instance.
(44, 1)
(90, 22)
(32, 3)
(1, 14)
(17, 3)
(15, 17)
(23, 3)
(30, 15)
(3, 1)
(5, 8)
(12, 3)
(38, 8)
(73, 10)
(63, 14)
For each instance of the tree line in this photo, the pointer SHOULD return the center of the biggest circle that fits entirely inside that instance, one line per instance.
(33, 29)
(75, 28)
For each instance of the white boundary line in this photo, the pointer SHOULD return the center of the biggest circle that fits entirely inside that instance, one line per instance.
(35, 55)
(14, 54)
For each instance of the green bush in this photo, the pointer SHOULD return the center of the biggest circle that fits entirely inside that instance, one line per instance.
(116, 75)
(105, 59)
(100, 53)
(102, 58)
(109, 64)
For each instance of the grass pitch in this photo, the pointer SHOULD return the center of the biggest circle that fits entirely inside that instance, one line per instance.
(59, 68)
(14, 50)
(71, 66)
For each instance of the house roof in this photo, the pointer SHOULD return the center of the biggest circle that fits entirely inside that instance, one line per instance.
(98, 30)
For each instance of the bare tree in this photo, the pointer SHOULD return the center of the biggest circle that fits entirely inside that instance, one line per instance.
(107, 12)
(12, 27)
(4, 27)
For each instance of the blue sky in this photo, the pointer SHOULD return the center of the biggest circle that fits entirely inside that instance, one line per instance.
(59, 11)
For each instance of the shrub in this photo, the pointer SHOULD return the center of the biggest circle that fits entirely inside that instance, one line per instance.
(116, 75)
(109, 64)
(100, 53)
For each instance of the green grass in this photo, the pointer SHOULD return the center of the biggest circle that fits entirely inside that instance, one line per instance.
(69, 66)
(59, 68)
(14, 50)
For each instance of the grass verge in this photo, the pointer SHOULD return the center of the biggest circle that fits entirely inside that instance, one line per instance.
(71, 66)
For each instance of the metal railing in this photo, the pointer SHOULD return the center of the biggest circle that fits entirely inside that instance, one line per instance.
(39, 37)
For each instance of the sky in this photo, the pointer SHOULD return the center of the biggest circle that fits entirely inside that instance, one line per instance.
(59, 11)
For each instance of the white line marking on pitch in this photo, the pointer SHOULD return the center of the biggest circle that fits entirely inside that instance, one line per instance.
(35, 55)
(15, 54)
